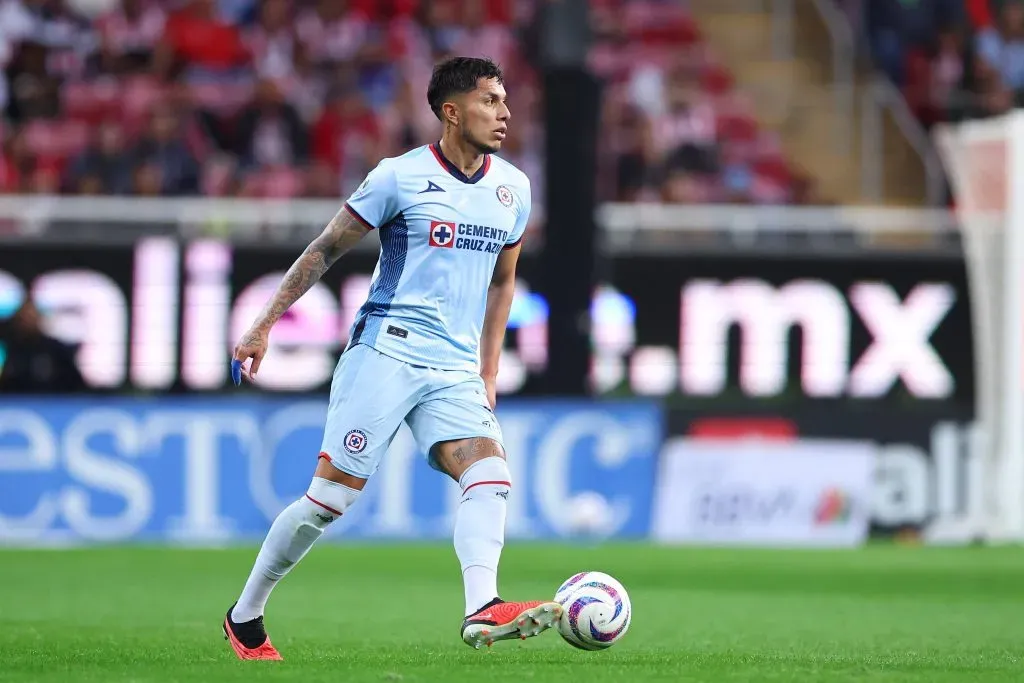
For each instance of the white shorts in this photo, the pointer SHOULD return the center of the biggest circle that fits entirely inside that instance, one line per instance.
(371, 394)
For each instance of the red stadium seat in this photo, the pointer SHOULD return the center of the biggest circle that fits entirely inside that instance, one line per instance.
(716, 79)
(275, 183)
(139, 97)
(91, 101)
(56, 139)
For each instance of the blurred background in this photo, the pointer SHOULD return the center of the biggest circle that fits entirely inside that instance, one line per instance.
(743, 281)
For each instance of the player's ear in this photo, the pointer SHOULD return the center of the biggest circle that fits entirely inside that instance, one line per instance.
(451, 113)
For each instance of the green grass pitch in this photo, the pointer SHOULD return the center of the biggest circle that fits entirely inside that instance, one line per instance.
(391, 613)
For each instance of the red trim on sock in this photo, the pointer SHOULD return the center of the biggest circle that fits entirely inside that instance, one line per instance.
(329, 509)
(505, 483)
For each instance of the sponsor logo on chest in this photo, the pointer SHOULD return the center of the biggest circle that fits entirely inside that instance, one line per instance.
(467, 237)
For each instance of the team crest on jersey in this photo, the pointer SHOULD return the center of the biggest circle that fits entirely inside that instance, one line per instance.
(355, 441)
(504, 196)
(442, 234)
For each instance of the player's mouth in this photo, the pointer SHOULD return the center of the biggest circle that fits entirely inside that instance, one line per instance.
(500, 133)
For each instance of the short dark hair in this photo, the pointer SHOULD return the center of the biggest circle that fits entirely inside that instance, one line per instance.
(457, 76)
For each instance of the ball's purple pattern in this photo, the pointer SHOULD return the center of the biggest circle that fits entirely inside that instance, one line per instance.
(574, 614)
(602, 637)
(611, 592)
(570, 581)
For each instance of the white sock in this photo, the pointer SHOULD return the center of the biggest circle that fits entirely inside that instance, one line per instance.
(289, 539)
(480, 528)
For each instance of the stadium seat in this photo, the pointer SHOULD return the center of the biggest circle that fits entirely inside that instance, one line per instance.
(56, 139)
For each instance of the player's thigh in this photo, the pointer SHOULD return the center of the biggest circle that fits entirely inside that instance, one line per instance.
(370, 396)
(454, 425)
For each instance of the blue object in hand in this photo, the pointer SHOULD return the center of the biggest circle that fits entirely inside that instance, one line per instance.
(236, 372)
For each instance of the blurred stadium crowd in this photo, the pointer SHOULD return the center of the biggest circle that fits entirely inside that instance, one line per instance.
(953, 59)
(286, 98)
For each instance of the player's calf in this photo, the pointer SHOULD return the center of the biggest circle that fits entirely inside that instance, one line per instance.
(290, 537)
(480, 528)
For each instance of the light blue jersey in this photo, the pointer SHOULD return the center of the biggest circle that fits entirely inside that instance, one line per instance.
(440, 233)
(413, 355)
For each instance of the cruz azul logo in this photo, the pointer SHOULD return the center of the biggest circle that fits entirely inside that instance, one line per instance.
(449, 235)
(442, 234)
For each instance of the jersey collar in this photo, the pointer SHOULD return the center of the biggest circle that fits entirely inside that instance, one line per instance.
(455, 172)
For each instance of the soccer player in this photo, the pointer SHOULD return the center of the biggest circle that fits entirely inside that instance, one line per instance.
(424, 349)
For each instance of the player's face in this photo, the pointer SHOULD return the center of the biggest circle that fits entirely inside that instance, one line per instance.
(486, 116)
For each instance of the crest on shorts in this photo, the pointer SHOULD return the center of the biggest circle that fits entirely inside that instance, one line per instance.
(504, 196)
(355, 441)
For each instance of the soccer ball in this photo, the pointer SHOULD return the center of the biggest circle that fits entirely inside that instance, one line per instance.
(595, 611)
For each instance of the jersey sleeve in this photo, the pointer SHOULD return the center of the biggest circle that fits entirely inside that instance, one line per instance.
(375, 201)
(522, 219)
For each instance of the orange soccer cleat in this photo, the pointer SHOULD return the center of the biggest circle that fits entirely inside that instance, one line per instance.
(500, 620)
(249, 639)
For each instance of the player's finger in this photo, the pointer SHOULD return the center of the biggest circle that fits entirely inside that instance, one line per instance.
(241, 353)
(256, 358)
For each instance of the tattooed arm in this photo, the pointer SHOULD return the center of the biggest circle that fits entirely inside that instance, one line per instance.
(340, 235)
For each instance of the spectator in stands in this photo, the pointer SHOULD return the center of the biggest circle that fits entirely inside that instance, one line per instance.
(897, 26)
(36, 363)
(408, 122)
(272, 42)
(8, 43)
(217, 134)
(148, 180)
(632, 150)
(45, 178)
(34, 92)
(200, 46)
(687, 130)
(680, 186)
(306, 89)
(103, 167)
(14, 162)
(945, 75)
(271, 132)
(237, 12)
(162, 149)
(129, 35)
(1002, 46)
(991, 95)
(347, 137)
(333, 31)
(476, 36)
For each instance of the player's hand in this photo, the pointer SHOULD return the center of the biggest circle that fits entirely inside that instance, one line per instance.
(490, 385)
(253, 344)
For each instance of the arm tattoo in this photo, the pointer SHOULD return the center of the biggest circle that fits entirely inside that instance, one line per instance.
(459, 454)
(340, 235)
(485, 448)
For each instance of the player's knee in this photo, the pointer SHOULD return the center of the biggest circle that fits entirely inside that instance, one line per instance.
(329, 500)
(487, 476)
